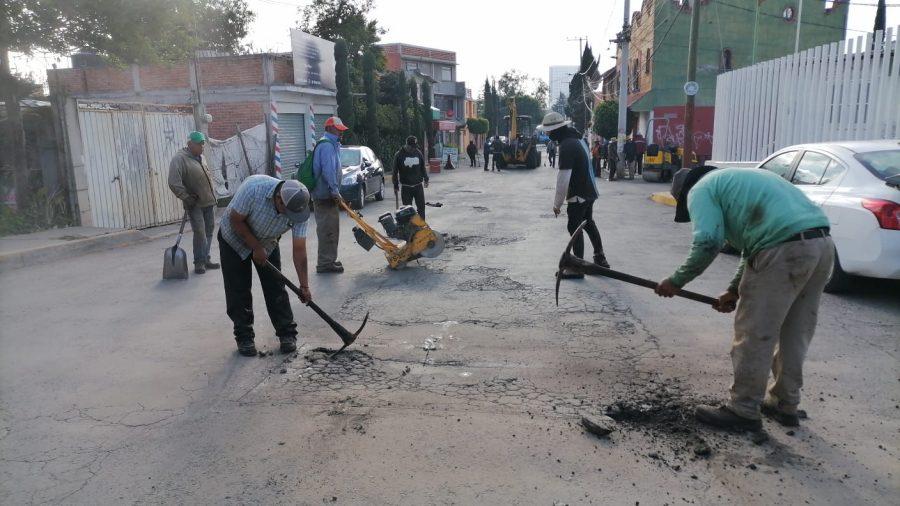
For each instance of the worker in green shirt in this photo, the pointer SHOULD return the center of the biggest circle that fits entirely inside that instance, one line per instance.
(786, 260)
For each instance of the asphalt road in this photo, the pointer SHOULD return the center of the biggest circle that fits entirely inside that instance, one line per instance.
(466, 386)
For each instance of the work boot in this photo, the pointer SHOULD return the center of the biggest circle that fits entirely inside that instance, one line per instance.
(783, 417)
(288, 344)
(210, 265)
(200, 268)
(332, 268)
(725, 418)
(246, 347)
(569, 274)
(600, 259)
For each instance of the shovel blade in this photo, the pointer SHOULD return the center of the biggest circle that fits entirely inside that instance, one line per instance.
(175, 264)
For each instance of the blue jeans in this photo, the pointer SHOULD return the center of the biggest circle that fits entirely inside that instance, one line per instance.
(202, 225)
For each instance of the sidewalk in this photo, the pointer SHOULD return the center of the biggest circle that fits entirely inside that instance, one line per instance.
(17, 251)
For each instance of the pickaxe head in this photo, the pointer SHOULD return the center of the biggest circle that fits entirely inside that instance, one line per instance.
(566, 254)
(347, 337)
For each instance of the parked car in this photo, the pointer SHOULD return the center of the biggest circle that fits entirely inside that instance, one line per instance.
(362, 175)
(855, 182)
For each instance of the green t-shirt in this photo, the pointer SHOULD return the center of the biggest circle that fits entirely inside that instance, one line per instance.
(753, 209)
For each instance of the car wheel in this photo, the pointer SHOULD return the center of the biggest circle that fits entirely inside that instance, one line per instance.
(379, 195)
(360, 199)
(839, 281)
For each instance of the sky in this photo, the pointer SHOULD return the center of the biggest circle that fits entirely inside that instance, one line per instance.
(488, 36)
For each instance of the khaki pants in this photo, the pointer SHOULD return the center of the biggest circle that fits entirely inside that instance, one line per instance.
(775, 321)
(328, 228)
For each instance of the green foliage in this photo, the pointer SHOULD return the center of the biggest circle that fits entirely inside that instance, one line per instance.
(347, 20)
(512, 83)
(415, 119)
(371, 89)
(345, 100)
(403, 104)
(478, 126)
(428, 124)
(606, 119)
(41, 213)
(140, 31)
(560, 104)
(581, 97)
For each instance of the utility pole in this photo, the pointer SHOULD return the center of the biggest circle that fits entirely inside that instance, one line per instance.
(623, 39)
(580, 45)
(690, 88)
(799, 21)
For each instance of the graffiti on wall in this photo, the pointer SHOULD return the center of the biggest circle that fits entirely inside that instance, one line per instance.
(671, 130)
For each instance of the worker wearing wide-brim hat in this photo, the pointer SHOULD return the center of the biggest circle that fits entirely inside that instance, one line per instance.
(575, 186)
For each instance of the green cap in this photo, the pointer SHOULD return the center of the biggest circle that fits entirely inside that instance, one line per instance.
(197, 137)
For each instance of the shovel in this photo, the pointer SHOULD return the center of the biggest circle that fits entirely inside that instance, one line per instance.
(175, 264)
(346, 337)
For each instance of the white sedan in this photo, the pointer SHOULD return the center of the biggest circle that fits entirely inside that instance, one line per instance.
(856, 183)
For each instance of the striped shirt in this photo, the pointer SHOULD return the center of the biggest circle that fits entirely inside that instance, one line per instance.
(255, 199)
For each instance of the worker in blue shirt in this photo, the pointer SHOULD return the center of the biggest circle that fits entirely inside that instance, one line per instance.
(327, 195)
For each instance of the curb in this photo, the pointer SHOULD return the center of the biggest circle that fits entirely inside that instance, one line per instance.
(664, 198)
(79, 247)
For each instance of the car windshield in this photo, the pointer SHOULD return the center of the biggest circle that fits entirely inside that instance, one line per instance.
(883, 164)
(349, 157)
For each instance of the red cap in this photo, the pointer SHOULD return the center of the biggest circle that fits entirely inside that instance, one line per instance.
(335, 122)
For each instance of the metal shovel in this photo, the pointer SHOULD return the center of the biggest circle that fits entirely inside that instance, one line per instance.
(175, 264)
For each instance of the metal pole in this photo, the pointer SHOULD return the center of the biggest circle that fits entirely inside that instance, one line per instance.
(687, 156)
(799, 20)
(624, 39)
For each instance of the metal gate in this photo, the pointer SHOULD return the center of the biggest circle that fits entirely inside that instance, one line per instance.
(291, 139)
(127, 149)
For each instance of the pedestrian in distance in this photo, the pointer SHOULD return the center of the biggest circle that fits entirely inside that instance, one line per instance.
(190, 181)
(629, 150)
(604, 150)
(576, 186)
(496, 151)
(640, 147)
(410, 175)
(612, 158)
(262, 209)
(551, 152)
(327, 196)
(786, 260)
(487, 153)
(595, 153)
(472, 151)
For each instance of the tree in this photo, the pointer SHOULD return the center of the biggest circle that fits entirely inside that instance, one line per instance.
(120, 32)
(880, 13)
(512, 83)
(478, 126)
(347, 20)
(606, 119)
(428, 125)
(560, 104)
(403, 104)
(373, 140)
(345, 105)
(489, 104)
(495, 99)
(541, 91)
(581, 96)
(415, 119)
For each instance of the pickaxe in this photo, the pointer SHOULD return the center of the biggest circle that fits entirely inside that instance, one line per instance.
(343, 333)
(570, 261)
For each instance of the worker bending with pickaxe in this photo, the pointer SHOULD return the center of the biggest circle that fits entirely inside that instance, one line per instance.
(786, 259)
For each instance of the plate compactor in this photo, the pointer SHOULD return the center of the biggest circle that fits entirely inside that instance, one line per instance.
(418, 239)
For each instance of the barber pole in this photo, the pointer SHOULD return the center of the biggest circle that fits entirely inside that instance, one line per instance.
(273, 117)
(312, 128)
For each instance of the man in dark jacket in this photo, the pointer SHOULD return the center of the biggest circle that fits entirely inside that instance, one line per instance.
(551, 152)
(612, 158)
(630, 152)
(190, 181)
(472, 151)
(496, 150)
(487, 153)
(410, 176)
(575, 186)
(640, 147)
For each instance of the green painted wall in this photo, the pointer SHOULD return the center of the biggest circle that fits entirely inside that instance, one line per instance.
(730, 24)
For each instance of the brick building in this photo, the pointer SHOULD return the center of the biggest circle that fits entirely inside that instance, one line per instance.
(733, 34)
(449, 95)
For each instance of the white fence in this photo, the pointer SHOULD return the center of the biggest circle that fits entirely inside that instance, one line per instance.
(848, 90)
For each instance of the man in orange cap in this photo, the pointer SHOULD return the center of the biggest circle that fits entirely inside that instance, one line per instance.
(327, 194)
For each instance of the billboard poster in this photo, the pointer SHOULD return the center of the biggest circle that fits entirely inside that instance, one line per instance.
(313, 61)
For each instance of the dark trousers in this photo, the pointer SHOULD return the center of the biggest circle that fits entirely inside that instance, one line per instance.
(579, 212)
(551, 157)
(640, 164)
(238, 277)
(471, 160)
(408, 193)
(612, 168)
(487, 159)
